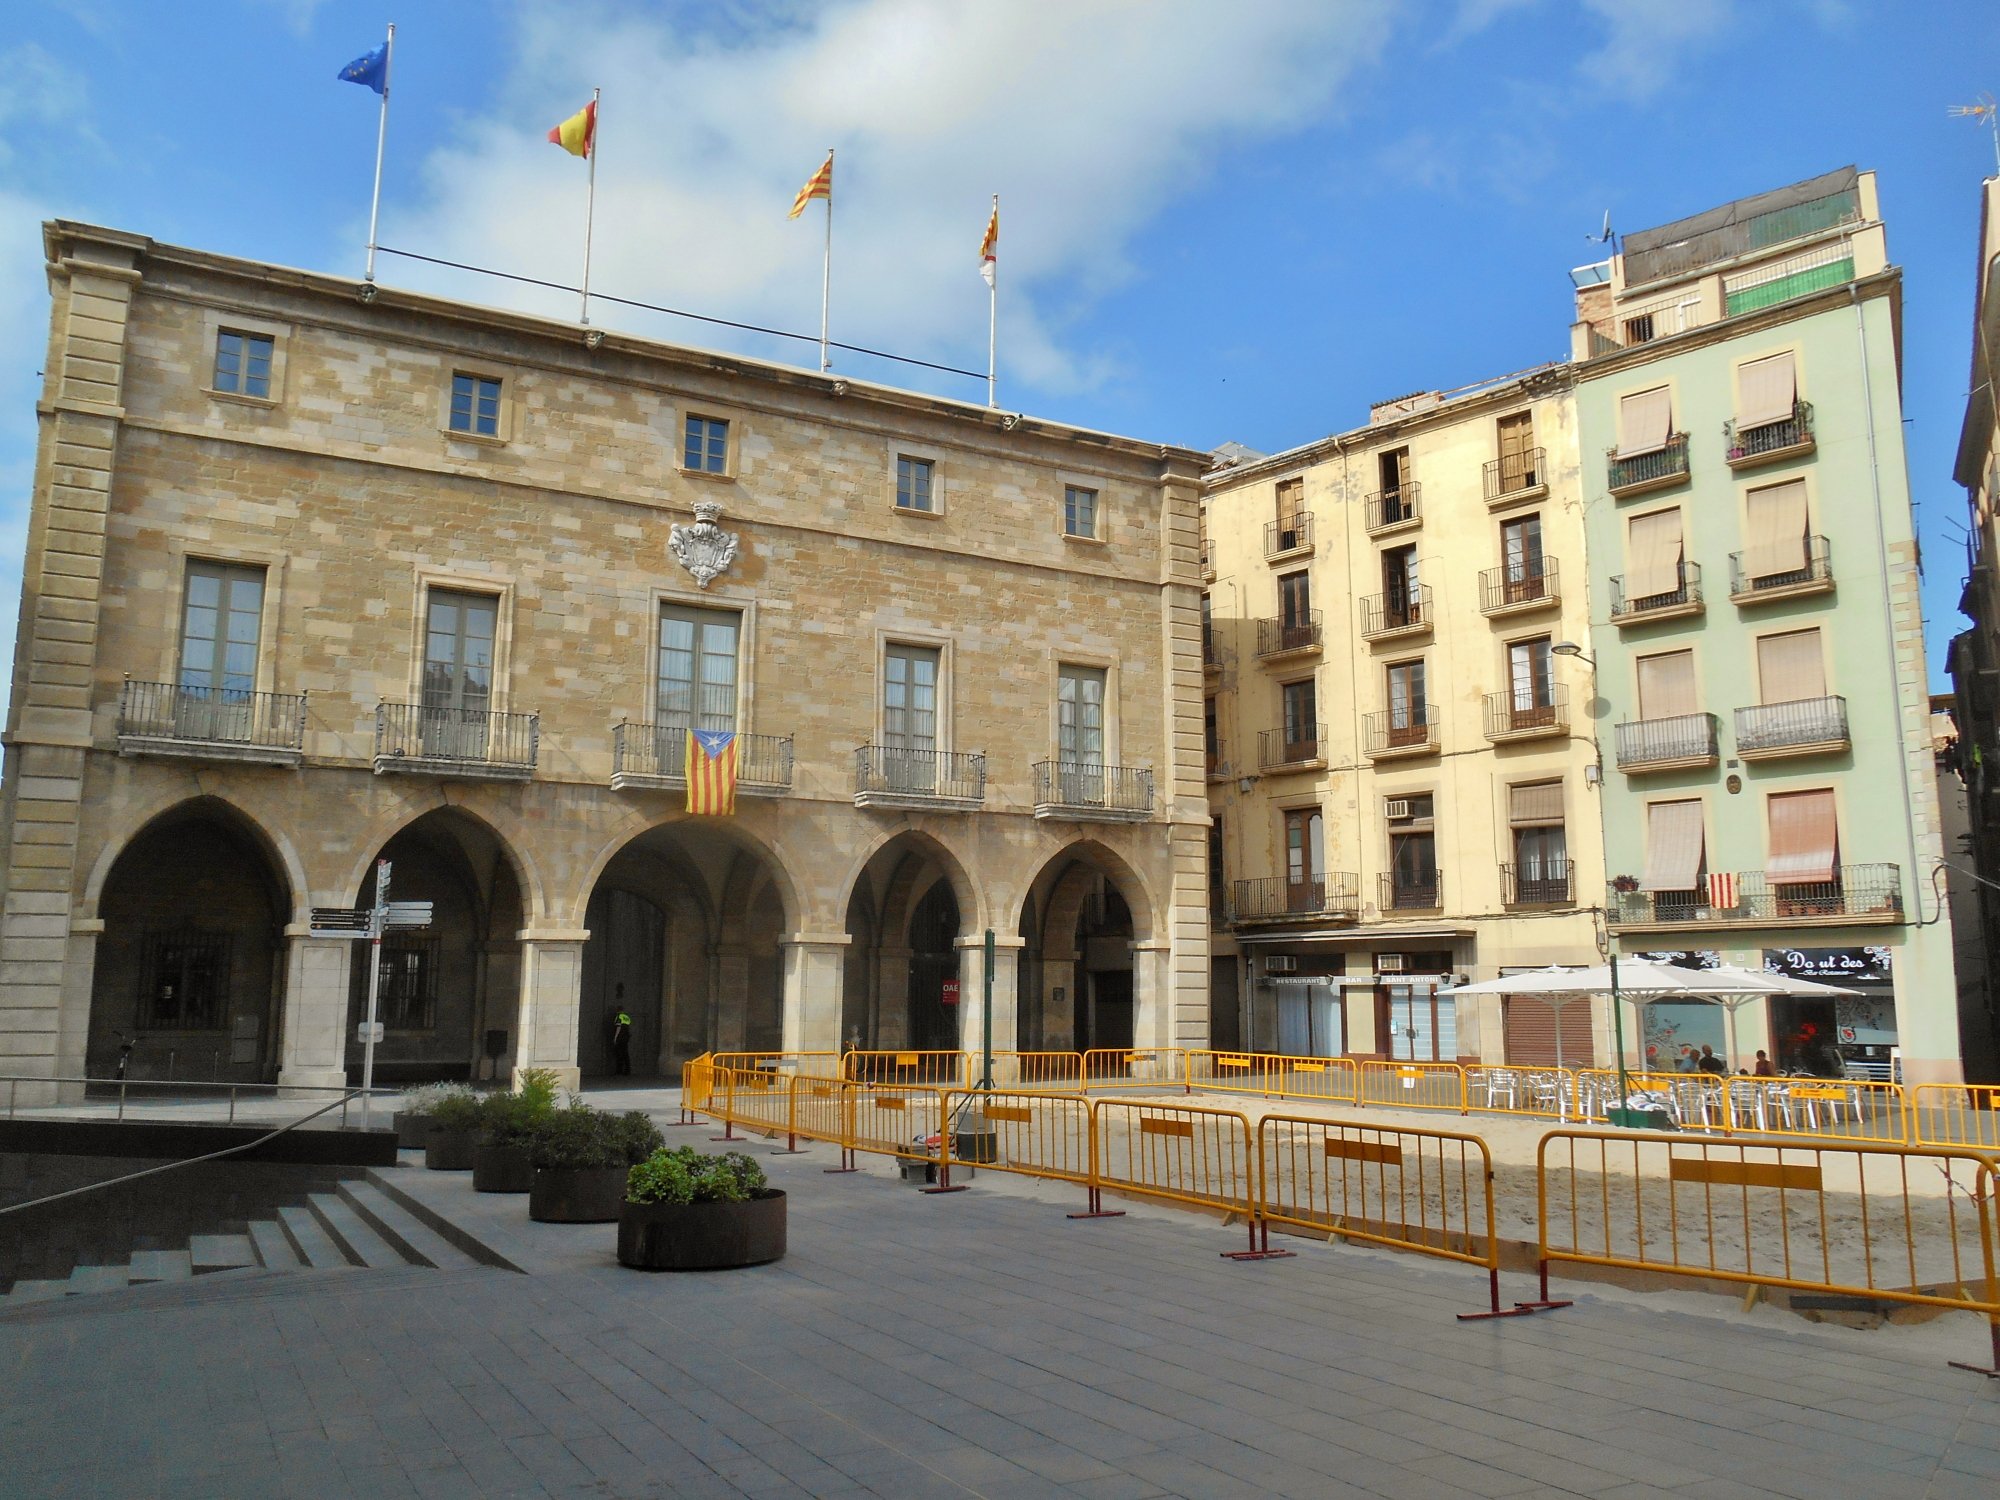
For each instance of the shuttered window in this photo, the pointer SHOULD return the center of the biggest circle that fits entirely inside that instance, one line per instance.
(1645, 420)
(1769, 389)
(1656, 555)
(1790, 667)
(1774, 524)
(1667, 687)
(1535, 804)
(1673, 846)
(1805, 842)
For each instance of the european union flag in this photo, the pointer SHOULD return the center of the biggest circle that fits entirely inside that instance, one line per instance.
(371, 70)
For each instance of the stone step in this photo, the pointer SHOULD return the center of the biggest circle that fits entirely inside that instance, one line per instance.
(220, 1252)
(356, 1238)
(391, 1182)
(415, 1240)
(160, 1265)
(37, 1291)
(273, 1248)
(309, 1238)
(98, 1279)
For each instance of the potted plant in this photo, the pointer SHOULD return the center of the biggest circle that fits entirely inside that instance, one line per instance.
(455, 1124)
(414, 1121)
(508, 1122)
(581, 1158)
(687, 1211)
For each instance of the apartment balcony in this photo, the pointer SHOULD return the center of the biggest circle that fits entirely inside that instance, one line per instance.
(1211, 653)
(1291, 536)
(207, 723)
(919, 780)
(459, 744)
(1389, 511)
(1543, 885)
(1648, 471)
(1084, 792)
(1509, 719)
(1518, 590)
(1207, 561)
(1397, 894)
(1394, 617)
(1677, 603)
(1283, 636)
(1682, 743)
(1516, 479)
(1392, 735)
(1816, 577)
(1217, 766)
(1804, 726)
(1335, 896)
(1299, 748)
(1770, 442)
(1857, 895)
(645, 757)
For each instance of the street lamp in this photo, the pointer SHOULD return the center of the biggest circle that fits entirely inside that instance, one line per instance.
(1571, 648)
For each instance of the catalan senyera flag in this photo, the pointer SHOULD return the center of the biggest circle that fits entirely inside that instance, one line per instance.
(1722, 891)
(578, 134)
(711, 771)
(819, 185)
(989, 246)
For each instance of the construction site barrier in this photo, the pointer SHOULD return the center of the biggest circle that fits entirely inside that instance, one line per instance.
(1019, 1130)
(1896, 1224)
(1549, 1093)
(1404, 1188)
(777, 1062)
(935, 1069)
(753, 1097)
(1272, 1075)
(1413, 1085)
(1181, 1153)
(1037, 1072)
(1159, 1069)
(1956, 1114)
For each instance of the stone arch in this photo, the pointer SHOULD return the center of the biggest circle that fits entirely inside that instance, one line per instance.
(894, 974)
(971, 907)
(510, 838)
(271, 840)
(1082, 919)
(771, 855)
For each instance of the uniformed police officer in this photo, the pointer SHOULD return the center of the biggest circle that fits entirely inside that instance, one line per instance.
(621, 1038)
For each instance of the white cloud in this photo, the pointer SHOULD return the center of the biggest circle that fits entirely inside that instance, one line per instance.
(1088, 120)
(1649, 40)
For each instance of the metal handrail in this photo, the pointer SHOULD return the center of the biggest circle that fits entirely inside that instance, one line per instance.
(211, 715)
(206, 1085)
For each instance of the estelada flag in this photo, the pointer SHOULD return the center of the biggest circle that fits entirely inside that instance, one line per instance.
(990, 245)
(578, 134)
(711, 771)
(819, 185)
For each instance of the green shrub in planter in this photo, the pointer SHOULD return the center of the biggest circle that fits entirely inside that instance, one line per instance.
(414, 1122)
(686, 1211)
(581, 1156)
(508, 1123)
(686, 1175)
(456, 1122)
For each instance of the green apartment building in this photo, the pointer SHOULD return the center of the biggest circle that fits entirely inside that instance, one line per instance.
(1755, 667)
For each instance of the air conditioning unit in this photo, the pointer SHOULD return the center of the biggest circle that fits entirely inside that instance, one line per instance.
(1281, 963)
(1388, 963)
(1396, 807)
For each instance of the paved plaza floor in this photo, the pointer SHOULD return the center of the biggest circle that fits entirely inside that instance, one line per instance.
(973, 1344)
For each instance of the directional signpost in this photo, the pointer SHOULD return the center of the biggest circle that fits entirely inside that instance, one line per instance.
(367, 924)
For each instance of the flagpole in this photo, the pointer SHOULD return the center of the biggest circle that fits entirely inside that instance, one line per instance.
(993, 321)
(381, 140)
(590, 197)
(826, 270)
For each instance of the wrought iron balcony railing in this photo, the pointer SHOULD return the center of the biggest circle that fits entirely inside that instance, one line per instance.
(1405, 731)
(1517, 476)
(1300, 745)
(1682, 740)
(1291, 533)
(469, 742)
(1518, 715)
(1422, 891)
(1685, 595)
(1746, 446)
(1645, 471)
(1518, 586)
(889, 776)
(647, 753)
(1083, 789)
(1388, 509)
(1395, 612)
(1547, 884)
(164, 718)
(1207, 558)
(1336, 894)
(1817, 574)
(1857, 893)
(1283, 635)
(1781, 728)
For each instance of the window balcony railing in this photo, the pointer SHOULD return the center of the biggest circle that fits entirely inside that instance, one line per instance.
(1802, 726)
(1084, 790)
(1527, 715)
(1520, 476)
(470, 743)
(646, 755)
(1648, 471)
(1518, 587)
(1815, 577)
(1857, 893)
(209, 723)
(1422, 891)
(1684, 740)
(1300, 745)
(1217, 764)
(1289, 633)
(1207, 559)
(1211, 654)
(1683, 599)
(1547, 884)
(1336, 895)
(1408, 731)
(890, 776)
(1293, 533)
(1788, 437)
(1389, 510)
(1397, 613)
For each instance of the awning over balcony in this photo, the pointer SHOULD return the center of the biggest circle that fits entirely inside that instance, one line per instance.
(1667, 687)
(1775, 519)
(1673, 846)
(1770, 390)
(1790, 666)
(1804, 839)
(1645, 419)
(1656, 555)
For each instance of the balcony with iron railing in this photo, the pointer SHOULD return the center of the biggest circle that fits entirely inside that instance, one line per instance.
(209, 723)
(1086, 792)
(460, 744)
(1393, 616)
(647, 757)
(1393, 733)
(1516, 478)
(1216, 763)
(1388, 511)
(1682, 600)
(1397, 892)
(1816, 577)
(1293, 749)
(1641, 472)
(1517, 588)
(1334, 896)
(1677, 743)
(1211, 653)
(920, 780)
(1546, 884)
(1288, 536)
(1288, 635)
(1527, 715)
(1857, 894)
(1770, 442)
(1207, 560)
(1804, 726)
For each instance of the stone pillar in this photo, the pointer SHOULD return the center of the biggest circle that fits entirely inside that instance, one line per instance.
(972, 995)
(1153, 1001)
(1362, 1041)
(551, 992)
(313, 1047)
(731, 998)
(815, 975)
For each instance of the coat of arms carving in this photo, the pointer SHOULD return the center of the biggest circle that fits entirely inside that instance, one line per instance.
(704, 548)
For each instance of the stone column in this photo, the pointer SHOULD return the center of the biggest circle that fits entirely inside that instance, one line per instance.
(815, 974)
(551, 992)
(972, 995)
(1153, 1013)
(313, 1049)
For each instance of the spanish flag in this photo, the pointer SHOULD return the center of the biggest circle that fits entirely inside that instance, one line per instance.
(578, 134)
(989, 246)
(711, 771)
(820, 185)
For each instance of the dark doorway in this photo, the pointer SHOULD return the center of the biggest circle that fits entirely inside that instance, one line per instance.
(1110, 1008)
(624, 966)
(933, 960)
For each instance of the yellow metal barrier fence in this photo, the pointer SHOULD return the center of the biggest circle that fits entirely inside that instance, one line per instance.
(1036, 1072)
(697, 1088)
(932, 1069)
(1549, 1093)
(1272, 1075)
(1956, 1114)
(1899, 1224)
(1182, 1153)
(1019, 1130)
(1155, 1068)
(1413, 1085)
(1738, 1104)
(777, 1062)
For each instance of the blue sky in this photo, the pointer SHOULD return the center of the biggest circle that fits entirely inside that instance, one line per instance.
(1241, 221)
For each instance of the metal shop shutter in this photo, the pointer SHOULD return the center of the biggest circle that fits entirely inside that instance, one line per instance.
(1529, 1028)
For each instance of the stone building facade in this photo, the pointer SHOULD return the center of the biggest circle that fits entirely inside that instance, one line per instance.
(320, 574)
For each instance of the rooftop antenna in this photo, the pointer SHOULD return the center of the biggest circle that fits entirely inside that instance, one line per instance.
(1603, 237)
(1988, 111)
